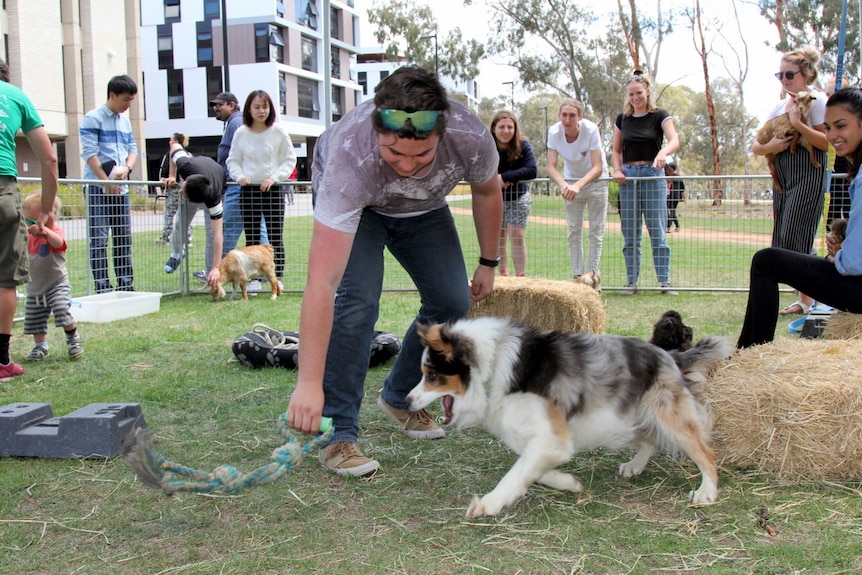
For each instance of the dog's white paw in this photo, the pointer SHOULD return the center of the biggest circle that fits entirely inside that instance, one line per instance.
(561, 481)
(704, 496)
(630, 469)
(482, 507)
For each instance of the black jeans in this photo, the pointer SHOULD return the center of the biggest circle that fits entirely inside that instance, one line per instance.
(255, 204)
(811, 275)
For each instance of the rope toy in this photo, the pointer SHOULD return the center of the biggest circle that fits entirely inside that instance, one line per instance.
(155, 471)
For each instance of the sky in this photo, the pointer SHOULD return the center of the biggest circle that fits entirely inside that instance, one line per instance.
(678, 63)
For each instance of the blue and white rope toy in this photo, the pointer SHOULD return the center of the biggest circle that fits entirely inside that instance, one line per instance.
(154, 470)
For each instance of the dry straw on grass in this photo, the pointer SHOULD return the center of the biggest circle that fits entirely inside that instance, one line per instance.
(792, 407)
(545, 304)
(843, 325)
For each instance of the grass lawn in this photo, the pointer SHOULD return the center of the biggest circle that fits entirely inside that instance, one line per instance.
(94, 517)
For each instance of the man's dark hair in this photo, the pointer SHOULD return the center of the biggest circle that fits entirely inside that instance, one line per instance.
(410, 89)
(122, 85)
(198, 188)
(4, 70)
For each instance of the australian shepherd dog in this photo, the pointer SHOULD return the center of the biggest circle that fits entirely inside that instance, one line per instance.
(548, 395)
(241, 265)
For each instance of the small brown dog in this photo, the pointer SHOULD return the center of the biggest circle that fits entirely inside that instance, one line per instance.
(239, 265)
(592, 279)
(780, 126)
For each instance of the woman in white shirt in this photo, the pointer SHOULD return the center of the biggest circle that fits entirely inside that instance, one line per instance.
(262, 154)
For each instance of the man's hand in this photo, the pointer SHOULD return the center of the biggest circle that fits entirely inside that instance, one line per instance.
(483, 283)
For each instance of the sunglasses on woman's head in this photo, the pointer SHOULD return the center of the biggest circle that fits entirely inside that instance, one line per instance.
(788, 75)
(422, 120)
(638, 78)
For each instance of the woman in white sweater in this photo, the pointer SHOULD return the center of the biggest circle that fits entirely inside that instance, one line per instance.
(262, 154)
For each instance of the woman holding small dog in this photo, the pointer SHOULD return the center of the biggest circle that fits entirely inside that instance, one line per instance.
(262, 154)
(835, 280)
(796, 210)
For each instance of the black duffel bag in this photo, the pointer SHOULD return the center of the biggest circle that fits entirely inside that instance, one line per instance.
(264, 346)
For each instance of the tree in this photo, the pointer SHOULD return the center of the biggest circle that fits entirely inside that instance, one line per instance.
(815, 22)
(401, 25)
(698, 38)
(556, 46)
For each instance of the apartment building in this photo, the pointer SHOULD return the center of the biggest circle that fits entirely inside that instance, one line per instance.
(62, 54)
(306, 62)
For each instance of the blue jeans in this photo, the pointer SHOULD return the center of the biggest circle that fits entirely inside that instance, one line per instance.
(109, 214)
(428, 248)
(644, 201)
(232, 221)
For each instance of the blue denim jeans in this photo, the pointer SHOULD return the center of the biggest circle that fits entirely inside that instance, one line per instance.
(232, 221)
(428, 248)
(644, 201)
(109, 215)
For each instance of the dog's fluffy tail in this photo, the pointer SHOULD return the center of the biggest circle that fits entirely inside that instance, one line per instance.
(695, 363)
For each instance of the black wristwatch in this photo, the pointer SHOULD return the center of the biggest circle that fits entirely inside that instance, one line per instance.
(489, 263)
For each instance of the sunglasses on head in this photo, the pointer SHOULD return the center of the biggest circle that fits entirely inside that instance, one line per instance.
(422, 120)
(788, 75)
(638, 78)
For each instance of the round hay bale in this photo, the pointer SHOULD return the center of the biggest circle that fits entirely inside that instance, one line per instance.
(791, 407)
(545, 304)
(843, 325)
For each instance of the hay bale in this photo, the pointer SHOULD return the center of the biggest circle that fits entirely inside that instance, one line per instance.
(545, 304)
(843, 325)
(792, 407)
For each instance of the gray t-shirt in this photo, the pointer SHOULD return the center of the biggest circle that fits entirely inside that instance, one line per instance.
(348, 174)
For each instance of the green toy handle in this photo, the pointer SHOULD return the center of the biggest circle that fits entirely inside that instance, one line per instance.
(325, 424)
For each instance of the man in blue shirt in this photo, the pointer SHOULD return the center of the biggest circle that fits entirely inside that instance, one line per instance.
(109, 149)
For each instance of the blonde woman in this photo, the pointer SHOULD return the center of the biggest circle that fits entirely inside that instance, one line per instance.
(644, 136)
(796, 211)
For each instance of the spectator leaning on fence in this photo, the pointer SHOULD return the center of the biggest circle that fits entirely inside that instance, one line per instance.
(18, 113)
(172, 194)
(577, 141)
(108, 147)
(262, 154)
(835, 280)
(517, 167)
(638, 153)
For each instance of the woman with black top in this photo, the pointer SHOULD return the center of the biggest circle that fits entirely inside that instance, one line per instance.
(638, 153)
(517, 167)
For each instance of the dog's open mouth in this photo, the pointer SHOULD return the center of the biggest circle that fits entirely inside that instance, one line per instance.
(448, 400)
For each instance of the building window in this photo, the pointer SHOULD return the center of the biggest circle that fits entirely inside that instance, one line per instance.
(337, 104)
(268, 44)
(335, 22)
(306, 13)
(176, 102)
(214, 86)
(166, 46)
(279, 8)
(309, 54)
(363, 81)
(172, 10)
(205, 43)
(308, 99)
(282, 92)
(212, 10)
(335, 55)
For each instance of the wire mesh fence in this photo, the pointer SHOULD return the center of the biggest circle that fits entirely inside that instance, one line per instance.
(723, 221)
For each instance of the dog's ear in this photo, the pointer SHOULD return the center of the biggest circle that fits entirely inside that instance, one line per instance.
(432, 336)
